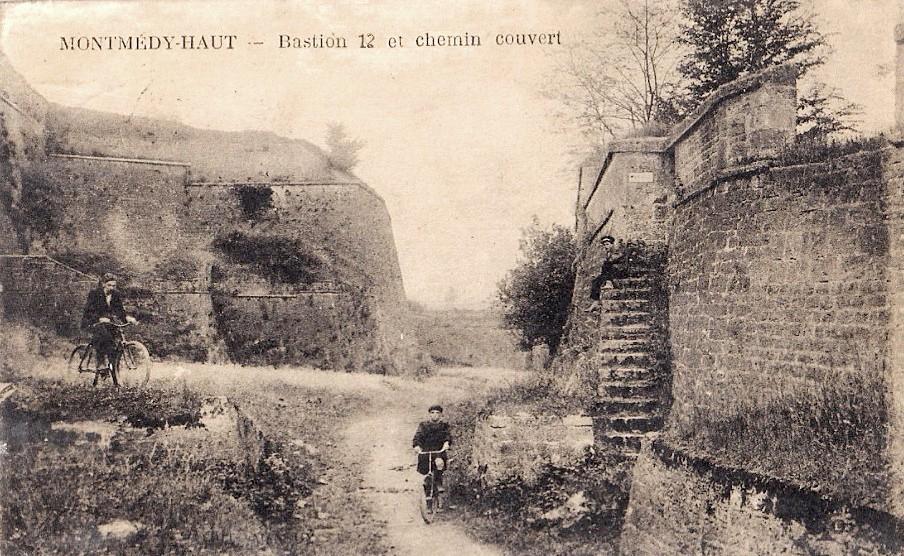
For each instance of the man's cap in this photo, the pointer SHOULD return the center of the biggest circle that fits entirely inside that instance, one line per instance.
(107, 277)
(435, 408)
(607, 239)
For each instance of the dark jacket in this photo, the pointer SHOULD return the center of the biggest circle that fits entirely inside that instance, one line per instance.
(431, 435)
(96, 307)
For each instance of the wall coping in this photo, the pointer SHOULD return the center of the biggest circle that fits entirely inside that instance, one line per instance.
(101, 158)
(784, 73)
(51, 259)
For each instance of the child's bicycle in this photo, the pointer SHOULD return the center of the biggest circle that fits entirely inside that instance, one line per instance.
(432, 498)
(130, 364)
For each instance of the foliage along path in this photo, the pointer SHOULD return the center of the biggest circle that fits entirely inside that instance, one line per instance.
(390, 479)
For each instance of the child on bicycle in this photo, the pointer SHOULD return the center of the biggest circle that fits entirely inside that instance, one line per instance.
(432, 435)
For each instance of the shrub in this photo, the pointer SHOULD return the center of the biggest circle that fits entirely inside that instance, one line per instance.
(536, 294)
(254, 200)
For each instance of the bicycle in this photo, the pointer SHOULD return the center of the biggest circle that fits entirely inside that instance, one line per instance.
(432, 498)
(129, 365)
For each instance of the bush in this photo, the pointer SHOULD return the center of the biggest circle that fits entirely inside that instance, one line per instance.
(536, 294)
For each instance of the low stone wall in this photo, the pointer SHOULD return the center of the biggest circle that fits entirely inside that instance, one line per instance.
(684, 505)
(509, 446)
(44, 292)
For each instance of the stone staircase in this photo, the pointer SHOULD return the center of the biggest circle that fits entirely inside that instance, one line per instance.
(631, 367)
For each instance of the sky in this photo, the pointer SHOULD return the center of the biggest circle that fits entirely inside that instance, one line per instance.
(462, 143)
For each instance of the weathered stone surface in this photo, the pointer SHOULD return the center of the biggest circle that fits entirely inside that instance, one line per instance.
(678, 506)
(505, 447)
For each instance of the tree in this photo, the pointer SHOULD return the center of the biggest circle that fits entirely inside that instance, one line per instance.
(731, 38)
(822, 112)
(622, 78)
(343, 150)
(727, 39)
(536, 294)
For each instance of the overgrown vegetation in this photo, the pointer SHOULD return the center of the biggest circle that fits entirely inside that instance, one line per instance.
(819, 150)
(277, 258)
(536, 294)
(254, 200)
(829, 437)
(531, 519)
(40, 205)
(657, 61)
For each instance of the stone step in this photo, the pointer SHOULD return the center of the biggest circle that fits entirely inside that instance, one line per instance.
(609, 345)
(629, 389)
(638, 281)
(625, 318)
(632, 292)
(626, 304)
(626, 373)
(627, 331)
(627, 441)
(632, 423)
(615, 405)
(625, 359)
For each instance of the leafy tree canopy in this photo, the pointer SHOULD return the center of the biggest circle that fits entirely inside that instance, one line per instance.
(536, 294)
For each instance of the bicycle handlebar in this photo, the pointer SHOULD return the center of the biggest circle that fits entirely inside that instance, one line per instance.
(114, 324)
(431, 452)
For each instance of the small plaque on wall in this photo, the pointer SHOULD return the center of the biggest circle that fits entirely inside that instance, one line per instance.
(640, 177)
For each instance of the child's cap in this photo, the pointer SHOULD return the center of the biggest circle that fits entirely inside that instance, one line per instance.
(435, 408)
(607, 239)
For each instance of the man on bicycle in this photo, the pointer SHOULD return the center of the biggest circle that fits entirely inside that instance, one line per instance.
(432, 435)
(101, 308)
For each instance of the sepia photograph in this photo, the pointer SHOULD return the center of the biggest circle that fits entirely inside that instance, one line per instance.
(386, 277)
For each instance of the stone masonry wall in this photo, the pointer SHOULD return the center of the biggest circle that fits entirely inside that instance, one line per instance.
(507, 446)
(749, 119)
(778, 299)
(893, 178)
(682, 505)
(43, 292)
(632, 192)
(777, 281)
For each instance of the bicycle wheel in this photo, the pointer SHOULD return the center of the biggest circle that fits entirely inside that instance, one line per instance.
(133, 368)
(82, 362)
(427, 505)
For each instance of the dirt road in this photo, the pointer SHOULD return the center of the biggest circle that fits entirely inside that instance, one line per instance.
(377, 444)
(391, 480)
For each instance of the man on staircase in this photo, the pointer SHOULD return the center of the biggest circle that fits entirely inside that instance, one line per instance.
(610, 270)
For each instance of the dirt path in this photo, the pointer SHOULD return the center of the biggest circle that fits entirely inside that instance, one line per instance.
(391, 481)
(378, 443)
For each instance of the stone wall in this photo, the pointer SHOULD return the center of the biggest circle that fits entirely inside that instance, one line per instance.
(158, 203)
(749, 119)
(777, 282)
(519, 445)
(631, 197)
(44, 292)
(684, 505)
